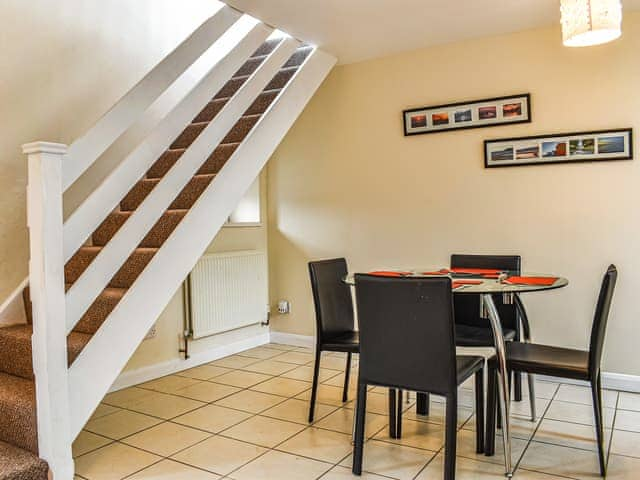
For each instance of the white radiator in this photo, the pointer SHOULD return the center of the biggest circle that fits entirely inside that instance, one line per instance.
(228, 291)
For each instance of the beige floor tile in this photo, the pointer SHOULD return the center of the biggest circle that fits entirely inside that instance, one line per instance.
(319, 444)
(297, 411)
(269, 367)
(166, 439)
(629, 401)
(263, 431)
(126, 397)
(241, 378)
(87, 442)
(338, 380)
(628, 420)
(204, 372)
(285, 387)
(521, 427)
(298, 358)
(281, 466)
(580, 394)
(623, 468)
(103, 410)
(376, 402)
(169, 384)
(212, 418)
(305, 373)
(467, 448)
(572, 435)
(164, 405)
(170, 470)
(207, 391)
(330, 395)
(250, 401)
(121, 424)
(219, 455)
(344, 473)
(280, 346)
(339, 363)
(543, 389)
(428, 436)
(261, 353)
(342, 421)
(626, 443)
(576, 413)
(556, 460)
(437, 413)
(234, 361)
(112, 462)
(523, 408)
(395, 461)
(467, 469)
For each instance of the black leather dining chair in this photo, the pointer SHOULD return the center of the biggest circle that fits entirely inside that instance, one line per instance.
(561, 362)
(407, 342)
(335, 325)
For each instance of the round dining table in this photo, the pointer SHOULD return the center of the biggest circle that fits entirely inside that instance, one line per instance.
(487, 284)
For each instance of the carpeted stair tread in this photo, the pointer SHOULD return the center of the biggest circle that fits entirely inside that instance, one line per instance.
(188, 135)
(124, 278)
(231, 87)
(211, 166)
(15, 349)
(154, 239)
(299, 56)
(241, 129)
(97, 313)
(211, 110)
(18, 412)
(185, 199)
(260, 105)
(267, 47)
(19, 464)
(250, 66)
(281, 78)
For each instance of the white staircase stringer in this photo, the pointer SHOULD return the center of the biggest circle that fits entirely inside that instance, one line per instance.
(107, 353)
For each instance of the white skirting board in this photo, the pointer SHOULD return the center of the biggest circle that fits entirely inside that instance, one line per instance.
(610, 380)
(145, 374)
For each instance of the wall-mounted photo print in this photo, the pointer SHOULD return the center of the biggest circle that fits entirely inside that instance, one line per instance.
(561, 148)
(478, 113)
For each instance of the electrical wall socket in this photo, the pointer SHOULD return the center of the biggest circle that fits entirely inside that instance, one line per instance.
(151, 333)
(284, 307)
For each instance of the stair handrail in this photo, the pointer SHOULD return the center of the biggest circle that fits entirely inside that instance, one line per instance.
(84, 151)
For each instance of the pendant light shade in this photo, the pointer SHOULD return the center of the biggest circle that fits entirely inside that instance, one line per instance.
(590, 22)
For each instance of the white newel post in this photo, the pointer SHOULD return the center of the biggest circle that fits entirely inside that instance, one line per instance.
(46, 278)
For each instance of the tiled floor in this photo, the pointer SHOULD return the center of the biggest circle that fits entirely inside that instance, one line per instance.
(244, 418)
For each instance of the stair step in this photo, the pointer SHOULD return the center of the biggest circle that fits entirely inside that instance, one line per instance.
(211, 166)
(281, 78)
(298, 57)
(241, 129)
(15, 349)
(154, 239)
(19, 464)
(99, 310)
(185, 199)
(18, 412)
(188, 135)
(250, 66)
(260, 105)
(123, 278)
(231, 87)
(211, 110)
(267, 47)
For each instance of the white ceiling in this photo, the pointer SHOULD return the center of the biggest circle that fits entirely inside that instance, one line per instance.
(356, 30)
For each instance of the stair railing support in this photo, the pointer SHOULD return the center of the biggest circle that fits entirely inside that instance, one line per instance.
(46, 277)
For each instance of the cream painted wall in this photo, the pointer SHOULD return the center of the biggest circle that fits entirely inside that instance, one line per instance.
(164, 347)
(346, 182)
(64, 64)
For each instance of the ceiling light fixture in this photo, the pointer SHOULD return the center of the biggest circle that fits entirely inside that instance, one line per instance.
(590, 22)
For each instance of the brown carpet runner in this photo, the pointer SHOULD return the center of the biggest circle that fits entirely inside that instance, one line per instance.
(18, 437)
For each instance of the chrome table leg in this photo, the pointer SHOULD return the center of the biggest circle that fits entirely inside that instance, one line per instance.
(503, 382)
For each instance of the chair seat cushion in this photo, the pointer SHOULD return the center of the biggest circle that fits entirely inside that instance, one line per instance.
(471, 336)
(546, 360)
(346, 342)
(467, 365)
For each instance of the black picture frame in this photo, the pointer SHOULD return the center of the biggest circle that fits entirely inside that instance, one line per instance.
(486, 112)
(558, 148)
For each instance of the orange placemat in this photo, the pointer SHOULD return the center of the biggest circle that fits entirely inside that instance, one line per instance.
(383, 273)
(542, 281)
(476, 271)
(460, 283)
(444, 271)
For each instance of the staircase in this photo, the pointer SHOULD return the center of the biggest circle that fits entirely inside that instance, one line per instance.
(99, 280)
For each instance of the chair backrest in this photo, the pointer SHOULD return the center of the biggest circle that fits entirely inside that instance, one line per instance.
(599, 328)
(407, 337)
(332, 298)
(467, 307)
